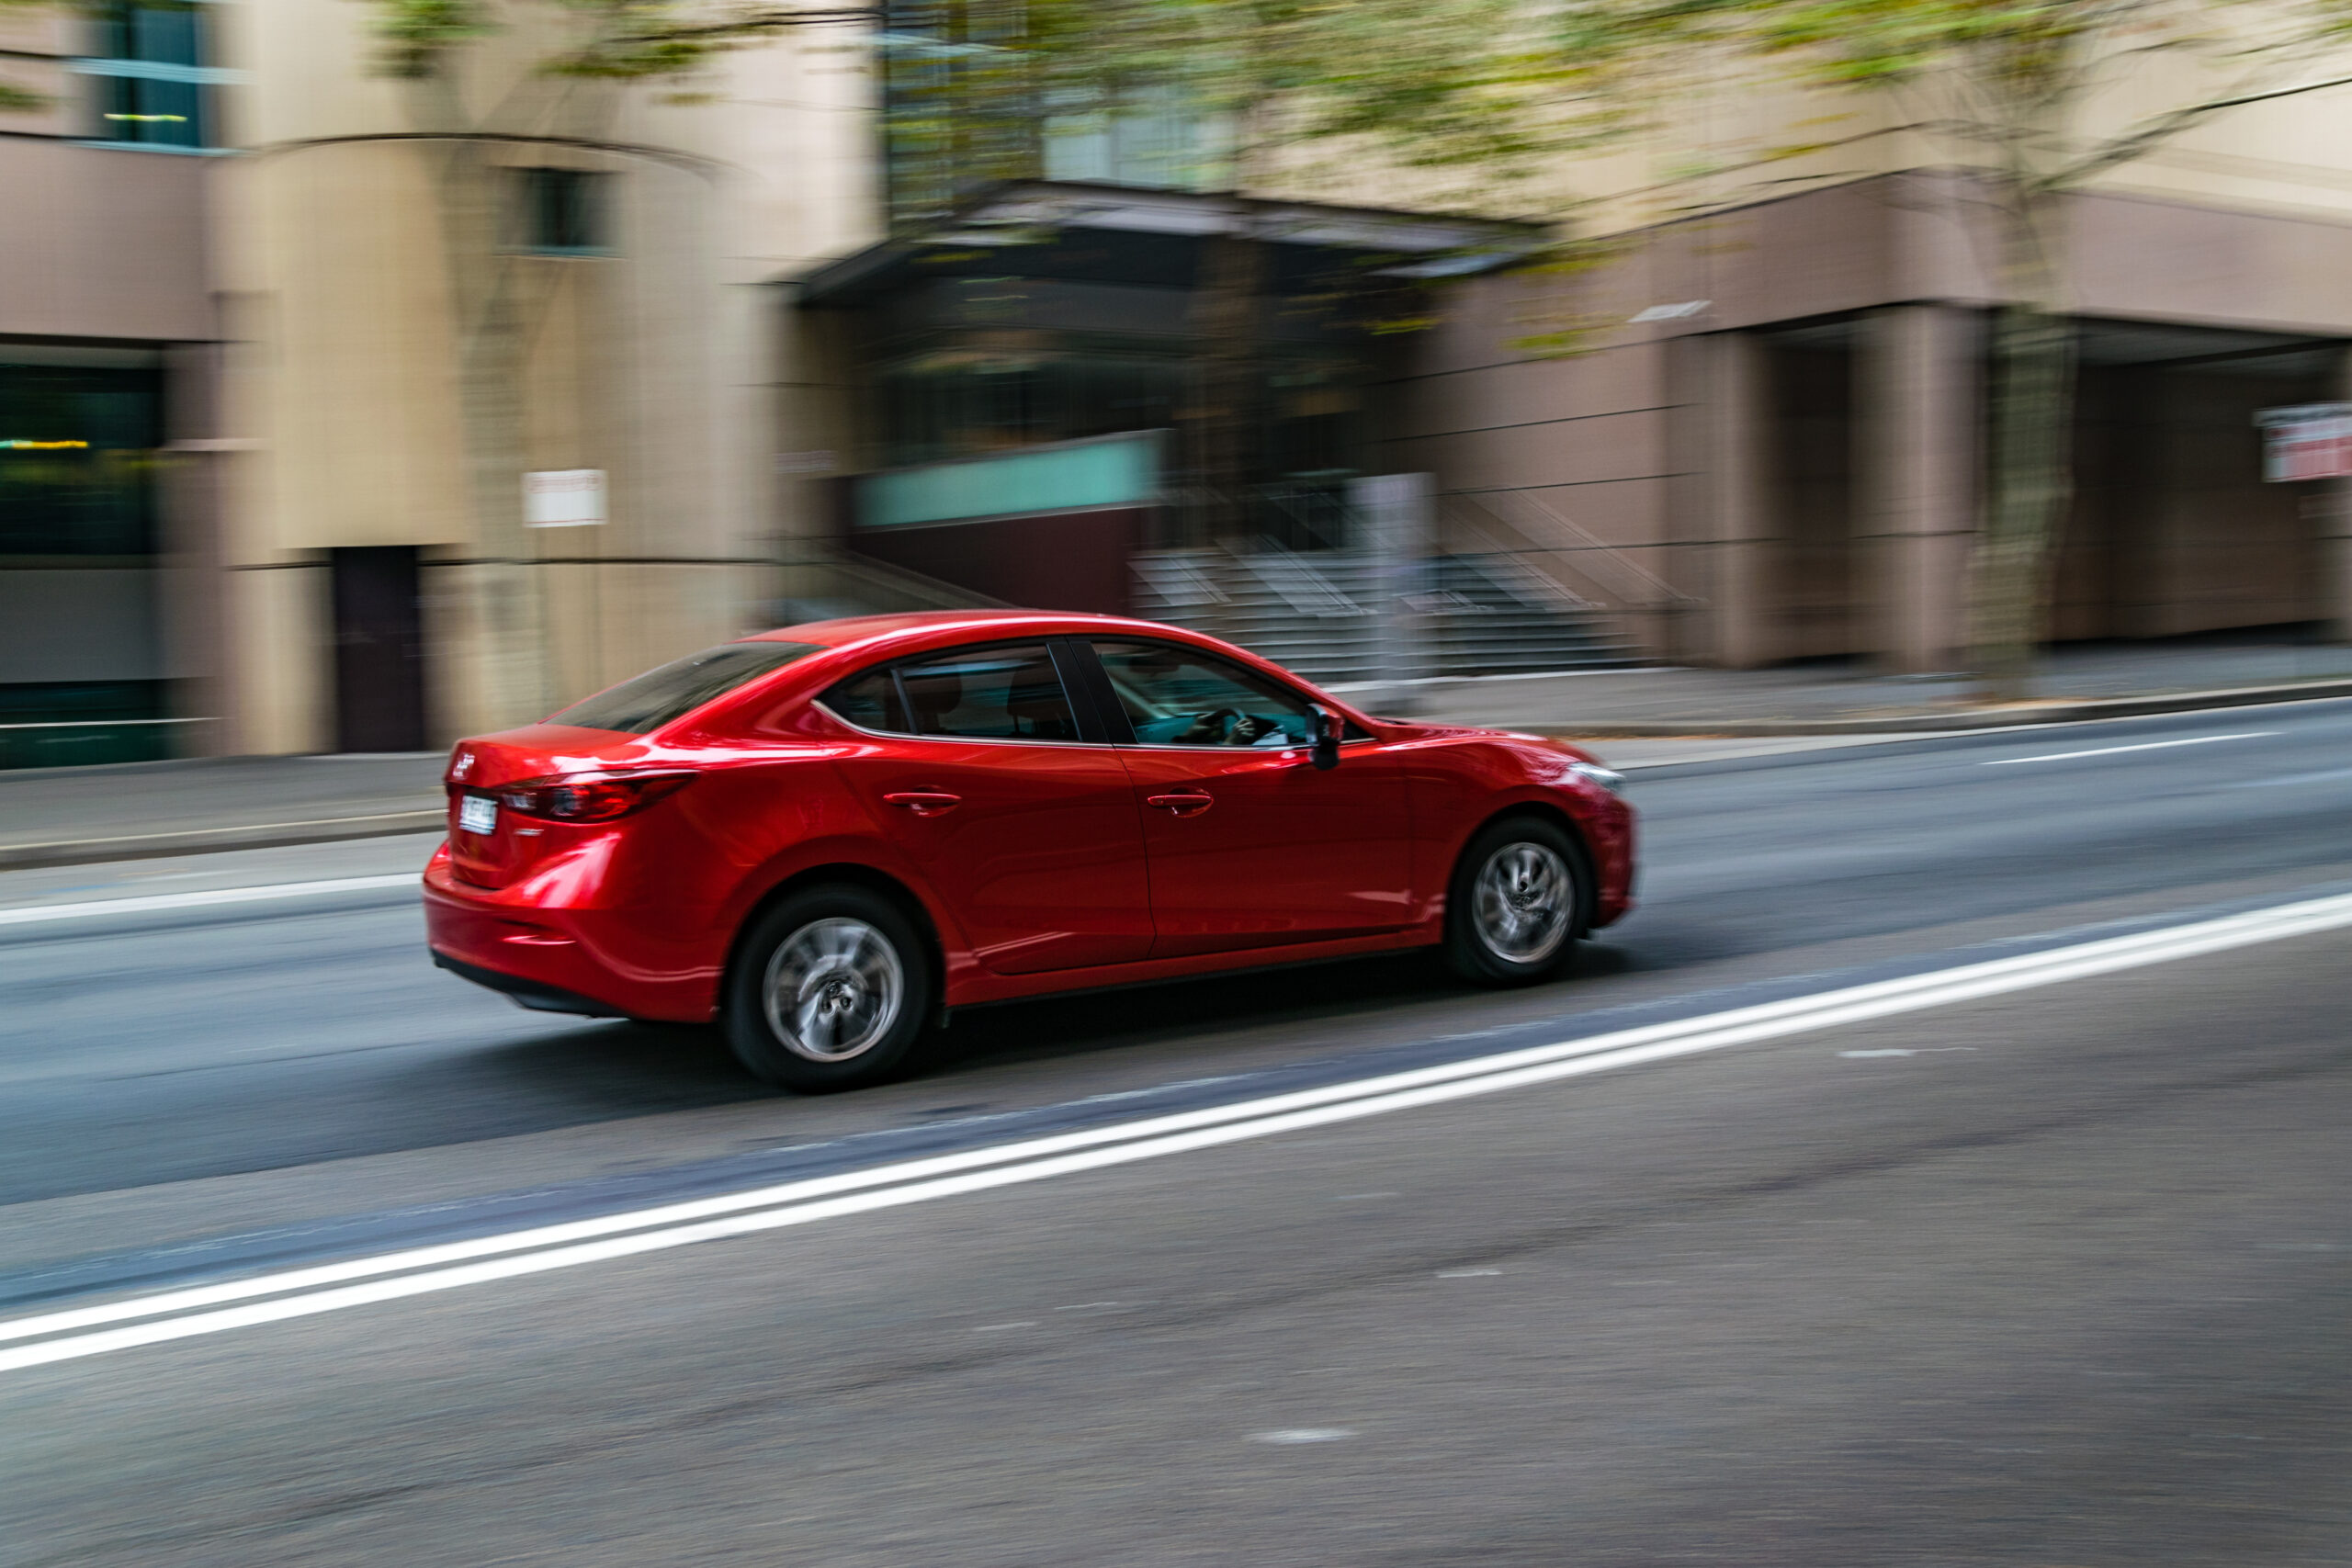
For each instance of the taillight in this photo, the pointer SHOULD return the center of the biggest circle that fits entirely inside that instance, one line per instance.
(588, 797)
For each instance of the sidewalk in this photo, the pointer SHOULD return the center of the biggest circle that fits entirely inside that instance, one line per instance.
(82, 816)
(1637, 718)
(2094, 681)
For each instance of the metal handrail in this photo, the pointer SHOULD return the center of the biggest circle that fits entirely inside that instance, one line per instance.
(1661, 593)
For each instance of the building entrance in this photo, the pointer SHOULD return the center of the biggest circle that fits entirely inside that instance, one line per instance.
(379, 650)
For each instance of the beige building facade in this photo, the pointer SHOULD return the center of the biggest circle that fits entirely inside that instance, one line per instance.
(360, 310)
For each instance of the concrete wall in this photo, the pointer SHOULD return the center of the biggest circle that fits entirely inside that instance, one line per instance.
(97, 242)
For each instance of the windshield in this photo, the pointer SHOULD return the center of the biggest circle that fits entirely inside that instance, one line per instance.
(676, 689)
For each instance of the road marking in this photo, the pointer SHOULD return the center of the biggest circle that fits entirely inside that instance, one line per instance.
(1908, 1050)
(2327, 775)
(362, 1281)
(2111, 751)
(36, 913)
(1467, 1273)
(1303, 1435)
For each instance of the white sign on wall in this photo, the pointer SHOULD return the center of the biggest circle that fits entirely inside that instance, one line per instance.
(2310, 440)
(563, 498)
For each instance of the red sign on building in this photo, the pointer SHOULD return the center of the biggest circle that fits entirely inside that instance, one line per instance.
(2310, 440)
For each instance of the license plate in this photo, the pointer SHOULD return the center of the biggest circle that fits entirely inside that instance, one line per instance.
(477, 814)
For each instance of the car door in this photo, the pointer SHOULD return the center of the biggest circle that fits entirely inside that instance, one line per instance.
(975, 763)
(1249, 845)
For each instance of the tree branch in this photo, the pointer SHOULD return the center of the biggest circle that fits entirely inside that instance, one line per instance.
(2164, 126)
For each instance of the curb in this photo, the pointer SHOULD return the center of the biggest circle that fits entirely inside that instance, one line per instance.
(1946, 721)
(260, 836)
(276, 835)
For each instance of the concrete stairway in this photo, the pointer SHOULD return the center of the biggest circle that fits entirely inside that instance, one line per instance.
(1313, 613)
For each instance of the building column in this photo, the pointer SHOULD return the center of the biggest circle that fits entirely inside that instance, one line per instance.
(1742, 520)
(1917, 423)
(2334, 506)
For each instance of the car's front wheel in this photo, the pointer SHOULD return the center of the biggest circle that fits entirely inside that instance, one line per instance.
(1517, 903)
(830, 990)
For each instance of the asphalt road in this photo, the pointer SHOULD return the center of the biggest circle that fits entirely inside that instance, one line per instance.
(2055, 1277)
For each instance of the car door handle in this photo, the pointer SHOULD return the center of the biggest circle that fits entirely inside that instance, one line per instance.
(924, 802)
(1191, 803)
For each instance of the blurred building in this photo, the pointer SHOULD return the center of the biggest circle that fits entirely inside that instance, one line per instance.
(1769, 443)
(1784, 414)
(286, 343)
(281, 338)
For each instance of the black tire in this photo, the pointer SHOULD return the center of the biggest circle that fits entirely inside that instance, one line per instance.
(858, 976)
(1501, 928)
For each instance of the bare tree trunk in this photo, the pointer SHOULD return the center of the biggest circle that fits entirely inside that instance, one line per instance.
(1228, 311)
(2030, 480)
(486, 324)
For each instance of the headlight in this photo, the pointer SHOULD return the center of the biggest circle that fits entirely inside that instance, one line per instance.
(1593, 772)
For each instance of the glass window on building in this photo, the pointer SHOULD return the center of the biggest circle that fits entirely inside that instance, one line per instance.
(77, 545)
(958, 404)
(958, 113)
(77, 458)
(561, 212)
(147, 71)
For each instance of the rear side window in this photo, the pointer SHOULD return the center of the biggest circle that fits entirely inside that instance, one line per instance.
(870, 702)
(676, 689)
(1005, 692)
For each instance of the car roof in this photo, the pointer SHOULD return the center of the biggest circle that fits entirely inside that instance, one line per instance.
(924, 626)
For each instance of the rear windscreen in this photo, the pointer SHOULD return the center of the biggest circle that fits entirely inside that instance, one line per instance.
(676, 689)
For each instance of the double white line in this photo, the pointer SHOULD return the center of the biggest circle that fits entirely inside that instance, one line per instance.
(304, 1292)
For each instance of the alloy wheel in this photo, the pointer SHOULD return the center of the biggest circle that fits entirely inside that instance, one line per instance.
(1523, 904)
(833, 989)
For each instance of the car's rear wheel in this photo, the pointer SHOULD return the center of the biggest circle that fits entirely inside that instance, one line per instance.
(830, 990)
(1517, 903)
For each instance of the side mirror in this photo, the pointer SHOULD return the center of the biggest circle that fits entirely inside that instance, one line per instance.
(1327, 739)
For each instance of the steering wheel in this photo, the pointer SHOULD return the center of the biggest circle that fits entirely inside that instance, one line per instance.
(1209, 729)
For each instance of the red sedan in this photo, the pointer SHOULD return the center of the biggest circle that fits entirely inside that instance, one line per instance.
(828, 837)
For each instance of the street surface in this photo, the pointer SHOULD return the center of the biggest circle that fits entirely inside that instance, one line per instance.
(2052, 1276)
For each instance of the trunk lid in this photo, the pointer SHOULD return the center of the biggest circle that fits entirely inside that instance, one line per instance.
(512, 846)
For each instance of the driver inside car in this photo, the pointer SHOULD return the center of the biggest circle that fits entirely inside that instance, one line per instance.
(1174, 700)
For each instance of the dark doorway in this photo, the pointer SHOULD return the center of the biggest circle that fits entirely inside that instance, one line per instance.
(379, 650)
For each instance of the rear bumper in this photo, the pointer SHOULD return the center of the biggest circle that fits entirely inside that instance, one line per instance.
(531, 994)
(599, 963)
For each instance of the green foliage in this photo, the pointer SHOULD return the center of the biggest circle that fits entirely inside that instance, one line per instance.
(417, 33)
(11, 96)
(2006, 75)
(1467, 87)
(615, 39)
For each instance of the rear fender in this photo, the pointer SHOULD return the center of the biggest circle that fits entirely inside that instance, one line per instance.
(874, 861)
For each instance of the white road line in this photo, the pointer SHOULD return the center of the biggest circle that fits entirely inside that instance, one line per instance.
(35, 913)
(422, 1271)
(2326, 775)
(2111, 751)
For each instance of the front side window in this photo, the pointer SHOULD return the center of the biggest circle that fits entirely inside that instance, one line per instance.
(675, 690)
(1176, 697)
(1005, 692)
